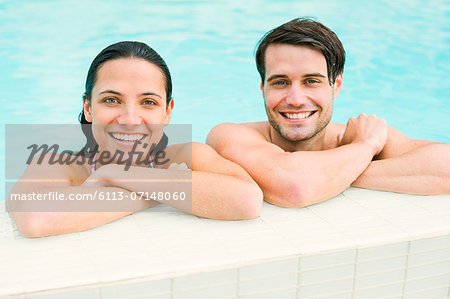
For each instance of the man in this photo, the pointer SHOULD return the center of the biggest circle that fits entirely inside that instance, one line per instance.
(298, 157)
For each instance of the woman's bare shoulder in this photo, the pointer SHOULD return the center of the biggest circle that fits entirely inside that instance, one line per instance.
(71, 169)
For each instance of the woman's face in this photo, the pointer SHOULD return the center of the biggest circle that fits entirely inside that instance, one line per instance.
(128, 104)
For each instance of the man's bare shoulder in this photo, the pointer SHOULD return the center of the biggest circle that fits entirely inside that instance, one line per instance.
(241, 130)
(331, 135)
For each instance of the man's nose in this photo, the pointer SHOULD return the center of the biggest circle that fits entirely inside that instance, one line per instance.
(296, 95)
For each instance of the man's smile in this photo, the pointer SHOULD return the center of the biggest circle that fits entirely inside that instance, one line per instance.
(297, 115)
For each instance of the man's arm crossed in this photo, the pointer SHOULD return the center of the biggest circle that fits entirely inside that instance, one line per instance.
(293, 179)
(409, 166)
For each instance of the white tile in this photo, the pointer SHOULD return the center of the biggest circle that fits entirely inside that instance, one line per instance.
(168, 221)
(195, 281)
(327, 260)
(134, 289)
(219, 291)
(428, 270)
(267, 284)
(290, 293)
(8, 288)
(321, 243)
(160, 296)
(278, 215)
(263, 270)
(438, 293)
(383, 278)
(327, 288)
(40, 283)
(382, 265)
(430, 244)
(122, 271)
(429, 257)
(417, 285)
(389, 290)
(260, 246)
(425, 228)
(93, 293)
(229, 229)
(379, 252)
(195, 259)
(377, 236)
(345, 295)
(327, 274)
(334, 206)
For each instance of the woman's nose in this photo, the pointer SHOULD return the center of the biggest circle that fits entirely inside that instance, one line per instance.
(129, 116)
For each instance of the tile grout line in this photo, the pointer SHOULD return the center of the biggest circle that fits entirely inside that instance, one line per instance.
(405, 279)
(238, 282)
(354, 273)
(299, 276)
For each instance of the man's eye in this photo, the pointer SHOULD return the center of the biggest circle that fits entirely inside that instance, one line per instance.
(279, 83)
(311, 81)
(111, 101)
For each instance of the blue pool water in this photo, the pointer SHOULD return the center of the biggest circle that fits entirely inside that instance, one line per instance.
(398, 58)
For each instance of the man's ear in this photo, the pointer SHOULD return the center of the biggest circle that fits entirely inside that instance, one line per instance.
(337, 86)
(261, 86)
(87, 108)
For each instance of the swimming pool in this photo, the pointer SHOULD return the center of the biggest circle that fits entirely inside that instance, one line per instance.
(397, 58)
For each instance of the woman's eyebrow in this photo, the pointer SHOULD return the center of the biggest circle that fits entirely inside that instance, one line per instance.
(110, 91)
(142, 94)
(151, 94)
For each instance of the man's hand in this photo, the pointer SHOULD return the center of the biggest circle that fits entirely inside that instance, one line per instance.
(369, 130)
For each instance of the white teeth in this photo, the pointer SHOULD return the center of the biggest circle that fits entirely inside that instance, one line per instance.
(126, 137)
(297, 115)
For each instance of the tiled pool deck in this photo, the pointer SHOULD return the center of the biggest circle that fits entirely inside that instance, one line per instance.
(360, 244)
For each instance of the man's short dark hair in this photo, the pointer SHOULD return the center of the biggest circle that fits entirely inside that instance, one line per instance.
(307, 33)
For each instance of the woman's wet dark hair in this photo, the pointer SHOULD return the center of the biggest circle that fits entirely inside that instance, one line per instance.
(124, 49)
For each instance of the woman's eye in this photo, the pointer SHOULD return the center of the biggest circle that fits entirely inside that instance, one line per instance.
(148, 102)
(111, 101)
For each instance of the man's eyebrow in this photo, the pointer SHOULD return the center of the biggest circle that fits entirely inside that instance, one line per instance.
(276, 76)
(119, 94)
(279, 76)
(314, 75)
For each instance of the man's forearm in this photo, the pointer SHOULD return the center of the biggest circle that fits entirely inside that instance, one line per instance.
(311, 177)
(425, 171)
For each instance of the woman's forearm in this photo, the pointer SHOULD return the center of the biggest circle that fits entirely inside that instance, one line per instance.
(63, 210)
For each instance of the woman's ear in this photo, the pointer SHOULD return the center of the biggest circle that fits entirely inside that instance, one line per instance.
(169, 111)
(87, 108)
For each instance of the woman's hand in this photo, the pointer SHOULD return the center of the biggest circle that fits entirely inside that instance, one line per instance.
(103, 176)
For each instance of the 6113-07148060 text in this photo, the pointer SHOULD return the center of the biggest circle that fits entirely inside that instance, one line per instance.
(98, 195)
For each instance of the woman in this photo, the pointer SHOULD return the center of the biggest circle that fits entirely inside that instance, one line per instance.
(128, 101)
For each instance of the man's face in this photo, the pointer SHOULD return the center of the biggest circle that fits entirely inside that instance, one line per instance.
(296, 90)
